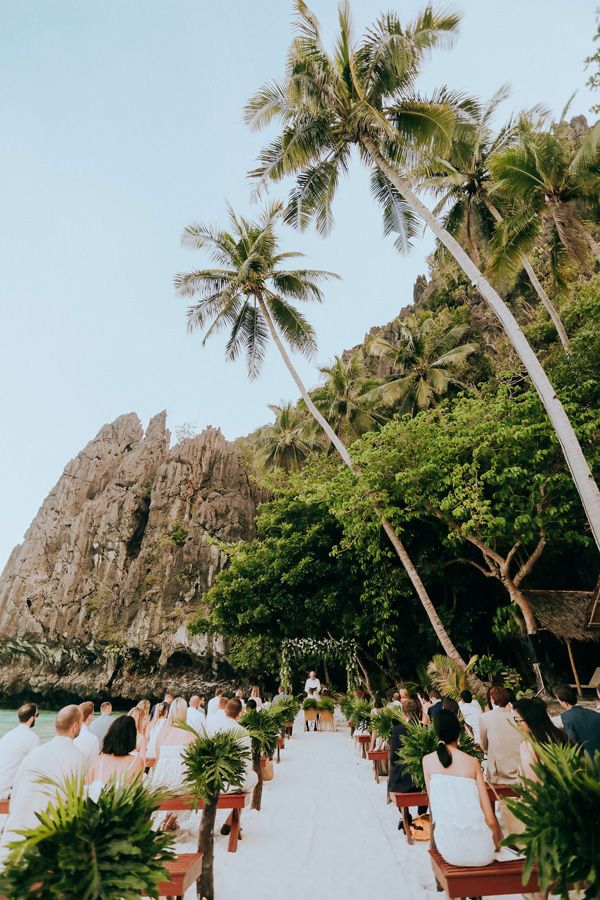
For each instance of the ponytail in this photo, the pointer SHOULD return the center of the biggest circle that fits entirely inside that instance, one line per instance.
(447, 730)
(444, 755)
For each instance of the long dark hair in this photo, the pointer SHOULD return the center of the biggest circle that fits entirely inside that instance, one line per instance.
(540, 725)
(121, 737)
(447, 729)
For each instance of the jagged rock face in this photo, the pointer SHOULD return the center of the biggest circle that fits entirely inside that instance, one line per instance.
(96, 598)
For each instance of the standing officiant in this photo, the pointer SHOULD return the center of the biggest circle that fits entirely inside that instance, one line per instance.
(312, 683)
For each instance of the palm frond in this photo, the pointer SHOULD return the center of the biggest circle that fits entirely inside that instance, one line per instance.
(398, 216)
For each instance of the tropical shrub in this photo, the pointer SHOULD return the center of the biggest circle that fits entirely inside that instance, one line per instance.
(385, 720)
(421, 740)
(212, 764)
(263, 732)
(448, 677)
(346, 704)
(104, 850)
(561, 814)
(488, 667)
(310, 703)
(361, 715)
(326, 704)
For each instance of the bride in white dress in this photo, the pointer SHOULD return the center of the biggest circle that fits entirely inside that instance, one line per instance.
(466, 831)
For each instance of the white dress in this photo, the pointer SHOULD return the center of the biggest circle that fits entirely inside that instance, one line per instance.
(153, 733)
(461, 833)
(168, 771)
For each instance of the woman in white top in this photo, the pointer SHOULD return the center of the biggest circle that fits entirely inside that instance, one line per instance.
(118, 759)
(255, 695)
(170, 744)
(154, 728)
(465, 829)
(140, 744)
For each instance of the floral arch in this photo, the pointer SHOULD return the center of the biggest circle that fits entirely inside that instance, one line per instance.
(342, 650)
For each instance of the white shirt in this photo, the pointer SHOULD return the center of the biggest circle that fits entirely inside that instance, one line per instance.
(58, 759)
(213, 706)
(196, 718)
(471, 713)
(312, 683)
(215, 722)
(226, 723)
(14, 747)
(89, 745)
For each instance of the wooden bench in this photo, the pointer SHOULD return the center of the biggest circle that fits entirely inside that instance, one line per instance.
(478, 881)
(363, 741)
(234, 802)
(420, 798)
(4, 804)
(183, 872)
(377, 756)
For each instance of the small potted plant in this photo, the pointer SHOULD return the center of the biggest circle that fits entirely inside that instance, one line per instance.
(263, 734)
(311, 711)
(326, 711)
(98, 849)
(213, 764)
(421, 740)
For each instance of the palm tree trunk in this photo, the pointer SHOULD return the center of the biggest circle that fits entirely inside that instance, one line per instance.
(206, 845)
(536, 285)
(441, 633)
(258, 788)
(576, 461)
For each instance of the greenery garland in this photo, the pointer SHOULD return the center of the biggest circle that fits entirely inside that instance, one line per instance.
(337, 649)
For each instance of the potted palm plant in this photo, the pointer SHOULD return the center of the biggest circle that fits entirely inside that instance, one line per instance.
(311, 710)
(421, 740)
(326, 711)
(346, 704)
(561, 818)
(105, 850)
(212, 764)
(263, 733)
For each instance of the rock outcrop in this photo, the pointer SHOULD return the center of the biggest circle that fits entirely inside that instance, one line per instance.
(96, 599)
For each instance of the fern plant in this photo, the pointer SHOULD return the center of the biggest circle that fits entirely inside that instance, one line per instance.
(263, 733)
(310, 703)
(561, 814)
(361, 715)
(104, 850)
(420, 740)
(447, 675)
(346, 703)
(385, 720)
(326, 704)
(212, 764)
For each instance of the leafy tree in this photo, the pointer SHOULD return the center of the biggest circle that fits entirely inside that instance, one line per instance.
(363, 96)
(104, 850)
(345, 399)
(425, 361)
(212, 764)
(287, 442)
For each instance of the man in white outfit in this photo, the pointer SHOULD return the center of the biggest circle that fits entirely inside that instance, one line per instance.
(86, 741)
(312, 682)
(230, 722)
(59, 759)
(213, 703)
(471, 712)
(15, 745)
(216, 719)
(196, 717)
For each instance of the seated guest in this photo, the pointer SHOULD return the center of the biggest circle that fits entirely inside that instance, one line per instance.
(280, 696)
(85, 741)
(217, 717)
(436, 703)
(581, 724)
(232, 712)
(196, 718)
(240, 695)
(255, 695)
(117, 759)
(15, 745)
(395, 701)
(251, 704)
(57, 760)
(100, 726)
(213, 703)
(170, 744)
(532, 716)
(168, 699)
(471, 712)
(451, 705)
(499, 736)
(155, 727)
(400, 781)
(144, 705)
(140, 744)
(466, 830)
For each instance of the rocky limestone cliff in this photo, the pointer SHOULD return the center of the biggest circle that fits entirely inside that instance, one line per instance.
(96, 599)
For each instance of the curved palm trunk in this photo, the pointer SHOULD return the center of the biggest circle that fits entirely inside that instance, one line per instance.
(536, 285)
(576, 461)
(441, 633)
(206, 846)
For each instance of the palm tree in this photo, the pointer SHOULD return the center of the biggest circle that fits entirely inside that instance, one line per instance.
(551, 182)
(251, 298)
(263, 732)
(344, 397)
(425, 360)
(287, 442)
(463, 182)
(362, 96)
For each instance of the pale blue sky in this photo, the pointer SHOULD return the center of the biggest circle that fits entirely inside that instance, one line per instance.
(121, 123)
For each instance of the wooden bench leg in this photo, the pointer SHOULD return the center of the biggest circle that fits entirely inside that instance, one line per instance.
(234, 834)
(406, 821)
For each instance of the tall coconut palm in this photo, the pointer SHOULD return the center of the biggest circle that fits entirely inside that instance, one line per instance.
(551, 181)
(287, 442)
(344, 398)
(362, 96)
(463, 182)
(251, 297)
(425, 360)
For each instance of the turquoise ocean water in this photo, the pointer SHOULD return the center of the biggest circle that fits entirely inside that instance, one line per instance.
(44, 725)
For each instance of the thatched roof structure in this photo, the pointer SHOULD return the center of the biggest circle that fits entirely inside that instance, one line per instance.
(571, 615)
